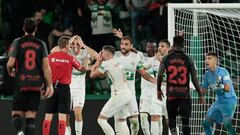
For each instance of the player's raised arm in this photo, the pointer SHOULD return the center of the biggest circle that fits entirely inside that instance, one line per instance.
(117, 33)
(90, 51)
(97, 71)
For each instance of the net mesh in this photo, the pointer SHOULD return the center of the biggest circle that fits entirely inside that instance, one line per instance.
(211, 30)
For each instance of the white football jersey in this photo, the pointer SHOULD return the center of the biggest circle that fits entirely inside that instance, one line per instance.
(148, 89)
(79, 76)
(130, 63)
(115, 76)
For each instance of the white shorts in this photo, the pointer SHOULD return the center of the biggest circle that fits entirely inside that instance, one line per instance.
(152, 108)
(78, 100)
(118, 105)
(134, 106)
(77, 89)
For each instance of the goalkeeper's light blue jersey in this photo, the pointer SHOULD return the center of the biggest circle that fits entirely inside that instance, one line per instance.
(221, 76)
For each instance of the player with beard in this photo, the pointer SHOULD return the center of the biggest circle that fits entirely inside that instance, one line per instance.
(131, 63)
(127, 56)
(148, 89)
(149, 103)
(178, 66)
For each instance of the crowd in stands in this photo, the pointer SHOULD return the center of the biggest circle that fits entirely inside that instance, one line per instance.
(93, 20)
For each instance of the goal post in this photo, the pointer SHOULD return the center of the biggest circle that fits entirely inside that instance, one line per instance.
(192, 6)
(209, 27)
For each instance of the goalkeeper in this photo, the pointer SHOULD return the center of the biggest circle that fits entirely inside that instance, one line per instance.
(222, 110)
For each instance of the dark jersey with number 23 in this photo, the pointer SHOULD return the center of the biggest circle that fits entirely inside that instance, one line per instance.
(29, 52)
(178, 69)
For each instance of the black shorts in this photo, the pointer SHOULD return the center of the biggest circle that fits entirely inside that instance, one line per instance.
(26, 100)
(182, 107)
(60, 101)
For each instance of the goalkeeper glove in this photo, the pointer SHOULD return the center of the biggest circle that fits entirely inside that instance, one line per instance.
(218, 88)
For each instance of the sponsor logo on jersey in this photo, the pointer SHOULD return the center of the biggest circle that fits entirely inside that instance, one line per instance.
(59, 60)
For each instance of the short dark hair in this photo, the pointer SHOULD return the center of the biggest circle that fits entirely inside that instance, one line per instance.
(152, 41)
(109, 48)
(165, 41)
(212, 54)
(29, 25)
(63, 41)
(178, 41)
(127, 38)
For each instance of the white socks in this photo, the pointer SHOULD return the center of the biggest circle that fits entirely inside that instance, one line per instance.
(155, 128)
(117, 125)
(107, 129)
(68, 130)
(78, 127)
(134, 125)
(160, 125)
(144, 123)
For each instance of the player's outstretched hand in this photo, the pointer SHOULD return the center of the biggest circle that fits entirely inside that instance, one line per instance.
(160, 95)
(117, 32)
(201, 100)
(49, 92)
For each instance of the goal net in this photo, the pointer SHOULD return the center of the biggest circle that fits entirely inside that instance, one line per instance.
(209, 27)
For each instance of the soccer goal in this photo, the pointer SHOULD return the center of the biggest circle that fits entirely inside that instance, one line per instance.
(209, 27)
